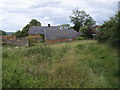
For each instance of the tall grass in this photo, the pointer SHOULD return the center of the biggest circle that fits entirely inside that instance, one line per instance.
(78, 64)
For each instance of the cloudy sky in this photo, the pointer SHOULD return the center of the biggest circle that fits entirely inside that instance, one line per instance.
(15, 14)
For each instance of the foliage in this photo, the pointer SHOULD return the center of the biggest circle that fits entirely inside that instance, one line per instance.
(34, 22)
(78, 64)
(64, 26)
(109, 31)
(17, 34)
(2, 32)
(42, 35)
(80, 19)
(86, 32)
(25, 29)
(80, 38)
(31, 41)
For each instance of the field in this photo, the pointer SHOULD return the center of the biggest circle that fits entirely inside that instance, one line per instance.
(77, 64)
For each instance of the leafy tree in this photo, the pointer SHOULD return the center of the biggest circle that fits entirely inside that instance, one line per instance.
(64, 26)
(34, 22)
(17, 34)
(80, 19)
(2, 32)
(110, 30)
(25, 29)
(86, 32)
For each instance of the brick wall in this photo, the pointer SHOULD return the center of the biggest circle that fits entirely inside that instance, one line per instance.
(36, 37)
(55, 41)
(22, 42)
(8, 37)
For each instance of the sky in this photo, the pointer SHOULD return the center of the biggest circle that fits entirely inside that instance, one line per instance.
(15, 14)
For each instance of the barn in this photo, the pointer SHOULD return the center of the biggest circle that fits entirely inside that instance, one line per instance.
(52, 33)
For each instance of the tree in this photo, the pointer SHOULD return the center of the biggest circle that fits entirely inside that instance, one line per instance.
(87, 32)
(25, 29)
(110, 30)
(64, 26)
(17, 34)
(34, 22)
(80, 19)
(2, 32)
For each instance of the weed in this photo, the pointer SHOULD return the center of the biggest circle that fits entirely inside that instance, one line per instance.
(77, 64)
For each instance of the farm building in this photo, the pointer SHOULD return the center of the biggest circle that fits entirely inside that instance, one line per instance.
(52, 33)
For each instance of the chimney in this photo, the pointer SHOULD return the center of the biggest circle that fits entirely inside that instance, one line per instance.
(48, 25)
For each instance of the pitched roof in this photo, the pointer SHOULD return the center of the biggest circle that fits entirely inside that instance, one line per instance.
(40, 30)
(53, 32)
(60, 34)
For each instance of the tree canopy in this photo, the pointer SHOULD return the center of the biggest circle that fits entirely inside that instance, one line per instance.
(86, 32)
(2, 32)
(34, 22)
(25, 29)
(64, 26)
(80, 19)
(109, 31)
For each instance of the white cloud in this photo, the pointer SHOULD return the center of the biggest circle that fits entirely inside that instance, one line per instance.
(15, 14)
(46, 20)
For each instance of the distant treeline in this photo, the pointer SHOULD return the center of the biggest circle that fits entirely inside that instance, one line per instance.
(10, 33)
(2, 32)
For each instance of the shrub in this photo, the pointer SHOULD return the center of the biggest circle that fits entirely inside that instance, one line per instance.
(31, 41)
(80, 38)
(109, 31)
(86, 32)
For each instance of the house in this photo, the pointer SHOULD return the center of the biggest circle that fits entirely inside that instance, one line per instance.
(52, 33)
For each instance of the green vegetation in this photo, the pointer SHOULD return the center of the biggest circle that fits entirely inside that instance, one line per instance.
(84, 64)
(110, 31)
(80, 19)
(34, 22)
(0, 66)
(24, 32)
(2, 32)
(64, 26)
(86, 32)
(80, 38)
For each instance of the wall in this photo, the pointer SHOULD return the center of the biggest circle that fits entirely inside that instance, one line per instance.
(8, 37)
(55, 41)
(36, 37)
(22, 42)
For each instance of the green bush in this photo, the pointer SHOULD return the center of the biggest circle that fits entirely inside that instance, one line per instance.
(2, 32)
(86, 32)
(109, 31)
(31, 41)
(80, 38)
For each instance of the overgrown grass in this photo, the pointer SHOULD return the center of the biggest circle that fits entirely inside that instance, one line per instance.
(77, 64)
